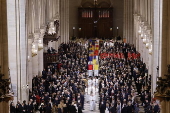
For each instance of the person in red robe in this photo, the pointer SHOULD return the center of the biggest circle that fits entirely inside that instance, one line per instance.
(129, 55)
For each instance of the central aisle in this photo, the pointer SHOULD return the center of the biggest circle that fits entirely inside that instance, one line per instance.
(92, 87)
(87, 104)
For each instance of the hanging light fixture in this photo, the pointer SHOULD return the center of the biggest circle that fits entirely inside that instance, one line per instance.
(150, 48)
(95, 2)
(40, 45)
(139, 31)
(144, 39)
(147, 43)
(34, 51)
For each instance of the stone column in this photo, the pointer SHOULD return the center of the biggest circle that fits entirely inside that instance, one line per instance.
(29, 63)
(128, 22)
(65, 23)
(32, 16)
(156, 43)
(12, 48)
(35, 58)
(17, 47)
(22, 49)
(40, 53)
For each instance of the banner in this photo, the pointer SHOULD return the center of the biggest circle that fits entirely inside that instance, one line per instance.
(90, 67)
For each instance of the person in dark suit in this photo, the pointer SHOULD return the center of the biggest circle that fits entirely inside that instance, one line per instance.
(12, 108)
(102, 107)
(42, 108)
(30, 107)
(112, 108)
(79, 108)
(129, 107)
(73, 108)
(124, 109)
(156, 108)
(49, 50)
(19, 108)
(82, 100)
(48, 108)
(44, 74)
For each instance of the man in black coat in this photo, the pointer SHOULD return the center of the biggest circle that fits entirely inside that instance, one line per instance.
(19, 108)
(112, 108)
(156, 108)
(102, 107)
(82, 100)
(44, 74)
(48, 108)
(79, 108)
(12, 108)
(30, 107)
(72, 108)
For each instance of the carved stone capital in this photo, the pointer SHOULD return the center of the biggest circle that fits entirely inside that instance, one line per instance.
(30, 41)
(36, 36)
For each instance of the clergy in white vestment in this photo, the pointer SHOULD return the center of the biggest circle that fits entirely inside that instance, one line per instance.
(90, 82)
(95, 82)
(91, 89)
(92, 102)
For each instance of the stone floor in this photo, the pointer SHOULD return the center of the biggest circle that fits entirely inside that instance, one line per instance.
(87, 105)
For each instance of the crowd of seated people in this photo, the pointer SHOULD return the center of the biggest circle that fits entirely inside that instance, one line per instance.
(61, 88)
(122, 79)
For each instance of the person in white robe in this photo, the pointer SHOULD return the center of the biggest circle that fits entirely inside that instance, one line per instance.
(95, 82)
(91, 89)
(90, 82)
(92, 102)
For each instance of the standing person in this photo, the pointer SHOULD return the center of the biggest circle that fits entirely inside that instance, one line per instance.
(48, 108)
(107, 108)
(54, 109)
(44, 74)
(60, 107)
(30, 107)
(24, 107)
(119, 107)
(19, 108)
(73, 108)
(112, 108)
(136, 107)
(82, 100)
(12, 108)
(156, 108)
(102, 107)
(79, 108)
(92, 102)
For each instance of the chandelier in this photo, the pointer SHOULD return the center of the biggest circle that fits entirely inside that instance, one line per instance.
(95, 2)
(40, 45)
(150, 49)
(34, 51)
